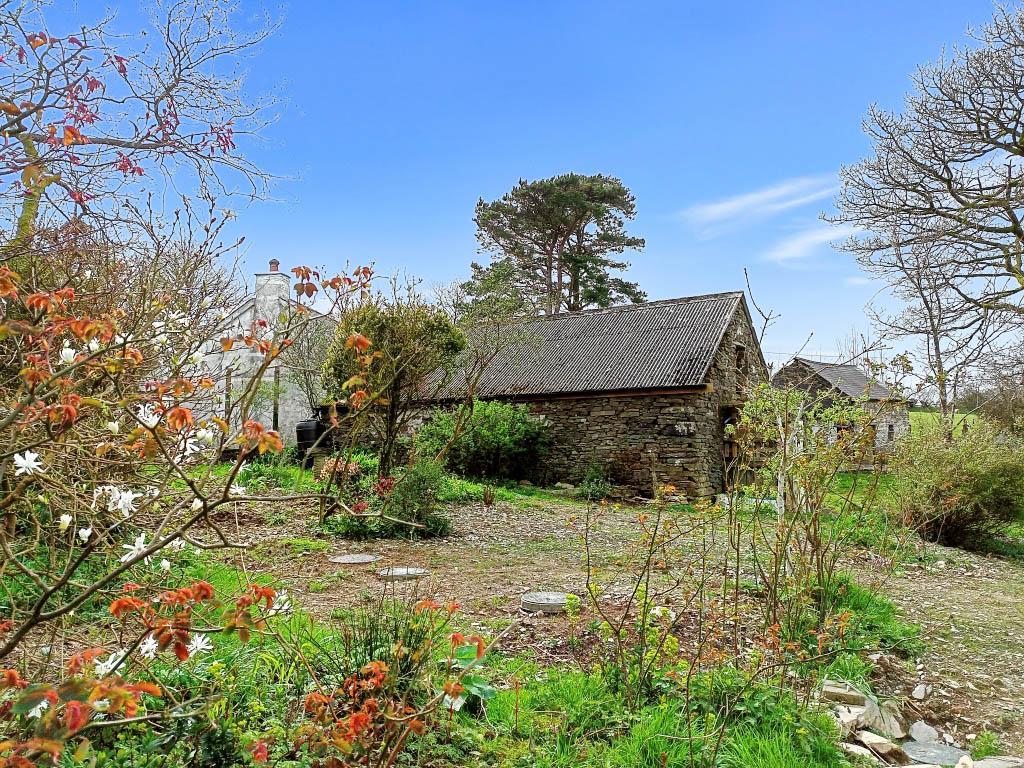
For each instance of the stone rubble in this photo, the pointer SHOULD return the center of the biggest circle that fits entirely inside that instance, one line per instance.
(879, 731)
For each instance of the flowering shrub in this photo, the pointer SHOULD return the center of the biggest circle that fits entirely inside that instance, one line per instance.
(368, 718)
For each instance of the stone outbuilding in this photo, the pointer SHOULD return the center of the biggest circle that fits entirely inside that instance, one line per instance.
(641, 391)
(838, 382)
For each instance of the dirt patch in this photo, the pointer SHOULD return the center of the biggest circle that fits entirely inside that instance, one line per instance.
(971, 609)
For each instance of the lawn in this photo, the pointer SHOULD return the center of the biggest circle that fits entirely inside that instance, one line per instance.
(920, 417)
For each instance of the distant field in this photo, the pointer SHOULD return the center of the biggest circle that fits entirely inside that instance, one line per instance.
(920, 418)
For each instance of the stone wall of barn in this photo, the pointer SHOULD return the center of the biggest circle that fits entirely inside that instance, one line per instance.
(683, 434)
(622, 435)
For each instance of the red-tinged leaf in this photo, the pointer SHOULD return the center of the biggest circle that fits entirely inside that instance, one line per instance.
(145, 686)
(259, 751)
(73, 690)
(227, 343)
(10, 678)
(181, 651)
(49, 746)
(76, 715)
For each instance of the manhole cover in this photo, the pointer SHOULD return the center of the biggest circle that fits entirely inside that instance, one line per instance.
(401, 573)
(544, 602)
(356, 559)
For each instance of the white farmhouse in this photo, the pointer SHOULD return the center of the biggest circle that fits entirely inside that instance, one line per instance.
(280, 403)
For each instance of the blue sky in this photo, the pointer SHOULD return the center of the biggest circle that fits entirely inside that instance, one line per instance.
(727, 121)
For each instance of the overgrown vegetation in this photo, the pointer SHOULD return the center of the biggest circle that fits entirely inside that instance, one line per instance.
(499, 441)
(963, 489)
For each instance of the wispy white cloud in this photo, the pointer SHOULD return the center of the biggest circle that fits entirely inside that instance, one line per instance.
(858, 280)
(761, 203)
(807, 242)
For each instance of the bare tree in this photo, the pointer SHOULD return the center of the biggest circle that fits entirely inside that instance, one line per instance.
(952, 335)
(90, 121)
(947, 172)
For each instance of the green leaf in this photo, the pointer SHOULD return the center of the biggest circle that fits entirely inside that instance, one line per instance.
(34, 695)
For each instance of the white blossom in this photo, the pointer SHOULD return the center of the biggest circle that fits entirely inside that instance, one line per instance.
(114, 427)
(189, 447)
(121, 500)
(104, 668)
(135, 549)
(65, 522)
(236, 490)
(125, 501)
(149, 647)
(204, 435)
(199, 644)
(148, 415)
(177, 545)
(38, 709)
(27, 463)
(67, 354)
(282, 604)
(101, 705)
(197, 504)
(84, 533)
(94, 345)
(165, 565)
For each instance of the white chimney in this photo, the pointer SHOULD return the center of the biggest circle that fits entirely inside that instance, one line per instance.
(272, 294)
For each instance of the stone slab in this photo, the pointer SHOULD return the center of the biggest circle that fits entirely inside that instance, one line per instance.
(401, 573)
(354, 559)
(921, 731)
(544, 602)
(930, 752)
(843, 693)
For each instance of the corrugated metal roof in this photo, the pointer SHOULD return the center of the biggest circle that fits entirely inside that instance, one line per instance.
(850, 380)
(657, 345)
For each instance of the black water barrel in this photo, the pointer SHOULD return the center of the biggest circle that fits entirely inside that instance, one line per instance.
(306, 435)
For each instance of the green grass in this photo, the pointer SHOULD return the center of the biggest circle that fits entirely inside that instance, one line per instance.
(986, 745)
(565, 718)
(874, 622)
(922, 417)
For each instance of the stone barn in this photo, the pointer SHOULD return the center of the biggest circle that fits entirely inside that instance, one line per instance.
(634, 388)
(834, 381)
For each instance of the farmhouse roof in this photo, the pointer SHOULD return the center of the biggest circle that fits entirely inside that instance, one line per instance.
(668, 344)
(850, 380)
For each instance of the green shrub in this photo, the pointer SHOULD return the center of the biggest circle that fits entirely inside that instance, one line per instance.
(414, 498)
(595, 484)
(500, 441)
(961, 490)
(387, 505)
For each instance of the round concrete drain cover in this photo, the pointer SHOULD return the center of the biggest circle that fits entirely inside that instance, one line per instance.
(356, 559)
(544, 602)
(402, 573)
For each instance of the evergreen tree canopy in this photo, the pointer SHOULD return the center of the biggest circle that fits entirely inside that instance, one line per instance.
(559, 239)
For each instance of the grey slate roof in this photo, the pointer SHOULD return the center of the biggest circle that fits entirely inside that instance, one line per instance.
(658, 345)
(850, 380)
